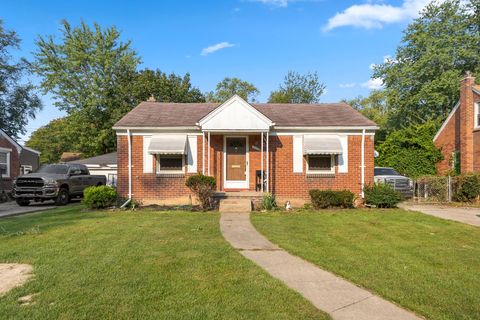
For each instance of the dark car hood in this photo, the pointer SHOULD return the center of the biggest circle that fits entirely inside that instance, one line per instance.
(54, 176)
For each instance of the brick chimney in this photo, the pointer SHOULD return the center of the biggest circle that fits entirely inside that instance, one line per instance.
(466, 122)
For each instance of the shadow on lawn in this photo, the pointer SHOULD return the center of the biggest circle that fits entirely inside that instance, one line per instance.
(39, 222)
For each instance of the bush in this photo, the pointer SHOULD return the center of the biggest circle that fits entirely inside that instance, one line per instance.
(467, 188)
(203, 187)
(99, 197)
(322, 199)
(269, 202)
(381, 195)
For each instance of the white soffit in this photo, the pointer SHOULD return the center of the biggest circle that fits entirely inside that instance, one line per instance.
(235, 115)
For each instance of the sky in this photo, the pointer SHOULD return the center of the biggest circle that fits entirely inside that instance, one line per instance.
(256, 40)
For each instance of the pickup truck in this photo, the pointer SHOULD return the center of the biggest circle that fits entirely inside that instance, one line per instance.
(58, 182)
(399, 183)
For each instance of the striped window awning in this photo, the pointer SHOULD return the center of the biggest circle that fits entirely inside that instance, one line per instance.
(321, 144)
(168, 144)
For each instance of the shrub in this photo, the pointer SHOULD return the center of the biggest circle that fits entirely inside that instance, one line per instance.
(381, 195)
(322, 199)
(269, 202)
(99, 197)
(467, 188)
(203, 187)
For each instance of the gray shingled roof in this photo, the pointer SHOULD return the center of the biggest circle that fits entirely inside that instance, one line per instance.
(155, 114)
(104, 159)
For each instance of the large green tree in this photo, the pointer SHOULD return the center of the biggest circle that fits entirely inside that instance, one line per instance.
(298, 88)
(228, 87)
(18, 100)
(422, 80)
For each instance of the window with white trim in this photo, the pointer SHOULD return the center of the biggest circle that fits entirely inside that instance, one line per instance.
(5, 164)
(318, 164)
(170, 164)
(476, 120)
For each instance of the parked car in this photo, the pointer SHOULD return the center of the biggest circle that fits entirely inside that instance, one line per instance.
(59, 182)
(390, 176)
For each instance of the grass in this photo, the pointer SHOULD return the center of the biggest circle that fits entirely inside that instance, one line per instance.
(142, 265)
(426, 264)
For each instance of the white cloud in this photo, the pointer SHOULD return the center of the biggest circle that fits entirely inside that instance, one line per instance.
(347, 85)
(373, 84)
(375, 15)
(216, 47)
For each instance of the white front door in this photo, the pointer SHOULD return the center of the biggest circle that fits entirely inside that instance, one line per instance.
(235, 168)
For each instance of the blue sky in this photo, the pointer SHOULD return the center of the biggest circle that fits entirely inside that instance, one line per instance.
(255, 40)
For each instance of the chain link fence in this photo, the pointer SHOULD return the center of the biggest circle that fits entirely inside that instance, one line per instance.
(439, 189)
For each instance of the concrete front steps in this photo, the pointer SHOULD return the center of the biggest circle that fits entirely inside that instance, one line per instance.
(237, 201)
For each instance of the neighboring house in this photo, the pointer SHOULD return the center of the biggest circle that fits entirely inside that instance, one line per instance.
(459, 136)
(326, 146)
(105, 164)
(15, 160)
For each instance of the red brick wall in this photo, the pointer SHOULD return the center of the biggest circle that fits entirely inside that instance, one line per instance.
(283, 182)
(14, 162)
(458, 134)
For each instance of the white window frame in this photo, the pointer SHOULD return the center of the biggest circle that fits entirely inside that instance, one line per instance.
(7, 152)
(476, 120)
(159, 171)
(332, 165)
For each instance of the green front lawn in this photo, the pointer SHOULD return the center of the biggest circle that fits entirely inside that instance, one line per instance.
(426, 264)
(141, 265)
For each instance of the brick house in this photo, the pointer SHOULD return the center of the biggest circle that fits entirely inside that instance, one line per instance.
(15, 160)
(459, 136)
(292, 148)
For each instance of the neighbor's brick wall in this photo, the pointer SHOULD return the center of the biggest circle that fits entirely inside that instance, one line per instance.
(14, 162)
(283, 182)
(458, 134)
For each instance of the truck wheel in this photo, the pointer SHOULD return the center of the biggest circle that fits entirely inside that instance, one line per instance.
(22, 202)
(63, 198)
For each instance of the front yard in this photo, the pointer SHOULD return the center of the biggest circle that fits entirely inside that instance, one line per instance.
(423, 263)
(142, 265)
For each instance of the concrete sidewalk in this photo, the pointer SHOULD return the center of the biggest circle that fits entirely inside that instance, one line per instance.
(329, 293)
(11, 208)
(469, 216)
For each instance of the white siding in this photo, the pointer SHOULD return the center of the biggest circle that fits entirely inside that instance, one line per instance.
(192, 154)
(298, 154)
(147, 158)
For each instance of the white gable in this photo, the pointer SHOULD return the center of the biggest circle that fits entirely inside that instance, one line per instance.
(235, 115)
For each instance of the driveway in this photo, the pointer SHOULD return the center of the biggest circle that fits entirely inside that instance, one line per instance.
(469, 216)
(11, 208)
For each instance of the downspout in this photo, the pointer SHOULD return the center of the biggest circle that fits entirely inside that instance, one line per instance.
(129, 137)
(363, 162)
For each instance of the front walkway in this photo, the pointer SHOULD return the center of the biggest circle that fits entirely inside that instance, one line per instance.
(329, 293)
(465, 215)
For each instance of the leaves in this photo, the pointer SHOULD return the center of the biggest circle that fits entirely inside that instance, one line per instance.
(298, 88)
(230, 86)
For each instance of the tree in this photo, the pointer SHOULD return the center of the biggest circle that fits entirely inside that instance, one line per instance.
(230, 86)
(411, 151)
(422, 80)
(52, 140)
(89, 73)
(18, 101)
(165, 88)
(375, 108)
(298, 88)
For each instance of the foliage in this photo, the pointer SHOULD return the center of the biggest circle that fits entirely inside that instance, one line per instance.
(53, 139)
(381, 195)
(411, 151)
(164, 88)
(438, 48)
(375, 108)
(467, 188)
(203, 187)
(298, 88)
(18, 101)
(269, 202)
(230, 86)
(99, 197)
(322, 199)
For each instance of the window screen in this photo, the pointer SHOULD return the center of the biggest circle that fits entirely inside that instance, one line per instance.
(320, 163)
(170, 163)
(3, 163)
